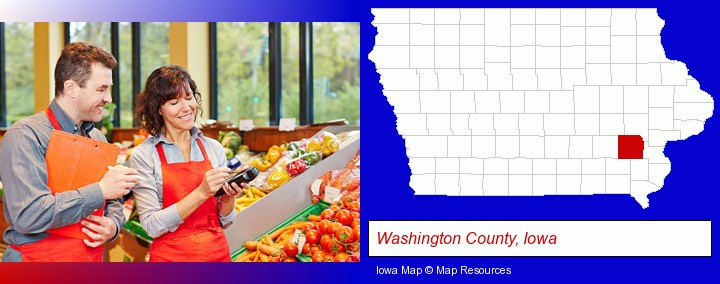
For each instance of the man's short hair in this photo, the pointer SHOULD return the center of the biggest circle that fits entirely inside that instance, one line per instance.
(76, 61)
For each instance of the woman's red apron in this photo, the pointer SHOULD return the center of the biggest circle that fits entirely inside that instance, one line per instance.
(200, 238)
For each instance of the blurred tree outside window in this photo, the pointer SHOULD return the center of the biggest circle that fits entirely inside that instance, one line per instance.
(242, 71)
(19, 71)
(290, 53)
(154, 48)
(336, 72)
(93, 33)
(125, 68)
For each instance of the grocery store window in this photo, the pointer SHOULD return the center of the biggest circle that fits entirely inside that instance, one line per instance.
(94, 33)
(16, 69)
(290, 54)
(139, 48)
(242, 72)
(154, 48)
(125, 70)
(241, 89)
(336, 71)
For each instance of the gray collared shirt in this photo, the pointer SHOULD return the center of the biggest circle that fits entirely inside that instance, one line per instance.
(149, 193)
(28, 205)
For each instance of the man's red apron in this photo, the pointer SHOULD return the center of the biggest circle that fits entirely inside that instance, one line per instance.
(200, 237)
(63, 244)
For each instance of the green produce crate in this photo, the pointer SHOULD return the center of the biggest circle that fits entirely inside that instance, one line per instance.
(314, 209)
(134, 227)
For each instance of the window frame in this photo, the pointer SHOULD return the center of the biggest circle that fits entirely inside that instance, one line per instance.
(3, 109)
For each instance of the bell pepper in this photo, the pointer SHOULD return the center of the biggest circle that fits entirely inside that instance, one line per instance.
(298, 153)
(261, 165)
(273, 154)
(330, 144)
(296, 167)
(292, 146)
(278, 177)
(311, 158)
(313, 144)
(330, 147)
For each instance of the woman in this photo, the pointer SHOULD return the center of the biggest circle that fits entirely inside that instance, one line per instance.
(180, 171)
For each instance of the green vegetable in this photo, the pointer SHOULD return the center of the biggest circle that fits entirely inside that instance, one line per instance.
(311, 158)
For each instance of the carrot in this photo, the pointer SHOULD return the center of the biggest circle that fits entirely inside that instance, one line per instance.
(293, 226)
(264, 258)
(268, 240)
(267, 249)
(246, 256)
(251, 245)
(282, 239)
(314, 218)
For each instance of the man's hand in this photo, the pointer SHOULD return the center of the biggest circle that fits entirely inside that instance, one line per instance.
(118, 181)
(99, 233)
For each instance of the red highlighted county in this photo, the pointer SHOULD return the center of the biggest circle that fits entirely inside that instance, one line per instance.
(630, 147)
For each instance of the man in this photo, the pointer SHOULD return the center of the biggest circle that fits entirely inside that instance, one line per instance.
(83, 77)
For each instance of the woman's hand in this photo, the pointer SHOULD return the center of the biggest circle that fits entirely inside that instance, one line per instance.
(213, 181)
(232, 191)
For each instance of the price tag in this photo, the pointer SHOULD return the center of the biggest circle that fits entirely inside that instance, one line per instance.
(315, 186)
(287, 124)
(246, 125)
(331, 194)
(298, 238)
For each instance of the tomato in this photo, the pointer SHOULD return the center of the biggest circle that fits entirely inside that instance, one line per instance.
(354, 247)
(345, 235)
(308, 226)
(354, 206)
(306, 248)
(336, 206)
(290, 249)
(334, 226)
(344, 217)
(328, 258)
(337, 247)
(356, 233)
(323, 226)
(355, 223)
(318, 256)
(326, 242)
(356, 215)
(312, 237)
(314, 249)
(347, 200)
(327, 214)
(341, 257)
(291, 260)
(355, 257)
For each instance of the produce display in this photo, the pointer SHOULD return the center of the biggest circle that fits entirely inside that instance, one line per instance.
(251, 195)
(331, 235)
(324, 232)
(334, 185)
(283, 162)
(232, 143)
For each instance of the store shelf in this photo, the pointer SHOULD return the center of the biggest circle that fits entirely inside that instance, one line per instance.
(314, 209)
(292, 197)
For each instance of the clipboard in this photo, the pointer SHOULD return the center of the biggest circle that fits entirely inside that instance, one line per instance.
(73, 162)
